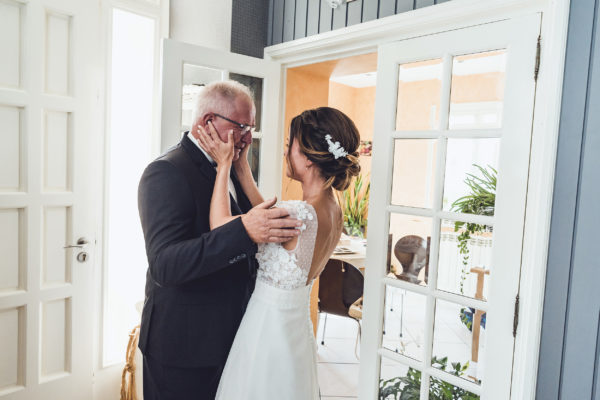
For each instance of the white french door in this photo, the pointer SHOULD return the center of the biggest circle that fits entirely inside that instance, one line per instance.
(49, 127)
(454, 112)
(187, 68)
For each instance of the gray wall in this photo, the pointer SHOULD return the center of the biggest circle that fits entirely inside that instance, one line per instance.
(570, 351)
(294, 19)
(249, 26)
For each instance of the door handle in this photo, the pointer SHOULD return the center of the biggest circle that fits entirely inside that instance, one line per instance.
(81, 242)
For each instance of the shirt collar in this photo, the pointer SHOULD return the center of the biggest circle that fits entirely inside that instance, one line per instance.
(193, 139)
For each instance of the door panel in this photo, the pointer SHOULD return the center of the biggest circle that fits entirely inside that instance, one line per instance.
(49, 120)
(453, 122)
(187, 68)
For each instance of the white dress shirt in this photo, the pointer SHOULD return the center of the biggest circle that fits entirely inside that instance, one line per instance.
(231, 186)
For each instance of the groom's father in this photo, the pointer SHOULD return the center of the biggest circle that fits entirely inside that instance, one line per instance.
(199, 281)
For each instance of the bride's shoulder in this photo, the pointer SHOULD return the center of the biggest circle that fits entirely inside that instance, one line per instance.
(299, 209)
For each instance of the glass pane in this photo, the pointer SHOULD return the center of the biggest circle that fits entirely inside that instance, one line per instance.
(443, 390)
(256, 87)
(398, 380)
(459, 340)
(254, 158)
(414, 172)
(195, 77)
(404, 322)
(470, 177)
(131, 116)
(465, 259)
(477, 91)
(408, 248)
(419, 93)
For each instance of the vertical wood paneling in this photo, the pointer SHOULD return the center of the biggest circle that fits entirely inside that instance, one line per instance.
(289, 10)
(339, 16)
(312, 19)
(354, 13)
(295, 19)
(325, 18)
(387, 8)
(370, 8)
(424, 3)
(571, 302)
(277, 21)
(300, 25)
(404, 5)
(584, 301)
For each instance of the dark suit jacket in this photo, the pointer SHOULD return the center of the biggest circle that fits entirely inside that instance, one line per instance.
(198, 281)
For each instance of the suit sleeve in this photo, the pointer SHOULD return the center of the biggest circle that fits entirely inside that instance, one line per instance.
(167, 212)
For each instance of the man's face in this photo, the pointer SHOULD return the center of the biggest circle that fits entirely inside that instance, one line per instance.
(244, 114)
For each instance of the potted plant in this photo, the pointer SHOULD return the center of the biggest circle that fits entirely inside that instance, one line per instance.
(354, 202)
(409, 387)
(481, 200)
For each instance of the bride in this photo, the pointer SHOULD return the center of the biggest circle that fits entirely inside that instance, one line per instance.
(274, 352)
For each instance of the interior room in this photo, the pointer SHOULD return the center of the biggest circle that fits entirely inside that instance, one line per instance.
(466, 259)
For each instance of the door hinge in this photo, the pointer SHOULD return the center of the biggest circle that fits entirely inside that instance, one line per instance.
(537, 58)
(516, 317)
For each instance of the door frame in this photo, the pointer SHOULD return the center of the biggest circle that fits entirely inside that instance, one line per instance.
(365, 37)
(107, 376)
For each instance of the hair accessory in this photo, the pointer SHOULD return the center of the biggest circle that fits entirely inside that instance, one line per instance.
(335, 148)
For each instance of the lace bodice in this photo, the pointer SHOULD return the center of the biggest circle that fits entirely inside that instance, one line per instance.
(288, 269)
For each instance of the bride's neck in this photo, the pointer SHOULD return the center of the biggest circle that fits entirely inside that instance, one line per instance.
(313, 188)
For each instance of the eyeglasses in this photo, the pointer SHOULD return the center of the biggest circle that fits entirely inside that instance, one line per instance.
(243, 127)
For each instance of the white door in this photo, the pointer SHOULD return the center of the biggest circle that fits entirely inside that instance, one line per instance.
(186, 68)
(48, 127)
(448, 104)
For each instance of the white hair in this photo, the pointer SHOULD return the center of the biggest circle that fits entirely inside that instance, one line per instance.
(219, 97)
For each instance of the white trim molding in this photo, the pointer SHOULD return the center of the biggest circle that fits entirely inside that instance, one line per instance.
(366, 37)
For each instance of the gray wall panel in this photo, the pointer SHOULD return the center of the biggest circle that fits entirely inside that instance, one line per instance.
(387, 8)
(250, 39)
(370, 8)
(584, 296)
(404, 5)
(300, 25)
(424, 3)
(339, 17)
(325, 18)
(289, 19)
(568, 349)
(354, 13)
(277, 36)
(312, 19)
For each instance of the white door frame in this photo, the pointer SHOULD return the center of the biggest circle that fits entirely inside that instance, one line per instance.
(364, 38)
(107, 376)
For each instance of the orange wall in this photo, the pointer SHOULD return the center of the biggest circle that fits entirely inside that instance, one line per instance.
(304, 90)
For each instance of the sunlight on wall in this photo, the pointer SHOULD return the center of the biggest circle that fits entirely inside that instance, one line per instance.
(130, 135)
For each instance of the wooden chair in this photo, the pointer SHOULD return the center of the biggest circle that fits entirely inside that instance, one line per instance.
(341, 287)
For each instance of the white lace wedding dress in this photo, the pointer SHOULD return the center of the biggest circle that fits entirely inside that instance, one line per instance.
(274, 352)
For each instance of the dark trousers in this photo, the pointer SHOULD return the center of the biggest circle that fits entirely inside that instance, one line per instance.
(163, 382)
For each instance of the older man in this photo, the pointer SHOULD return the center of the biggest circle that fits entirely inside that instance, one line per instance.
(199, 281)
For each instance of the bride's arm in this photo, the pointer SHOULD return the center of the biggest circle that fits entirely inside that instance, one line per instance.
(222, 153)
(244, 174)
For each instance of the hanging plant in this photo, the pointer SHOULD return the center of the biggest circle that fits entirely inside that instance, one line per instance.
(481, 201)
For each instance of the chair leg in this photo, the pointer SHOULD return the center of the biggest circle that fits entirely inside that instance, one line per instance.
(324, 327)
(358, 337)
(402, 315)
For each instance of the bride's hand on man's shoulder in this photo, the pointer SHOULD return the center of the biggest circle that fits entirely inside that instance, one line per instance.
(220, 151)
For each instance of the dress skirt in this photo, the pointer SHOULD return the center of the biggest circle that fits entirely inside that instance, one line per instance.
(274, 353)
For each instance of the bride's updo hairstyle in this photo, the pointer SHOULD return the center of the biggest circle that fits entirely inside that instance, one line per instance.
(310, 129)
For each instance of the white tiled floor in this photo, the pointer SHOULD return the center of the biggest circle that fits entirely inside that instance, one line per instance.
(338, 366)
